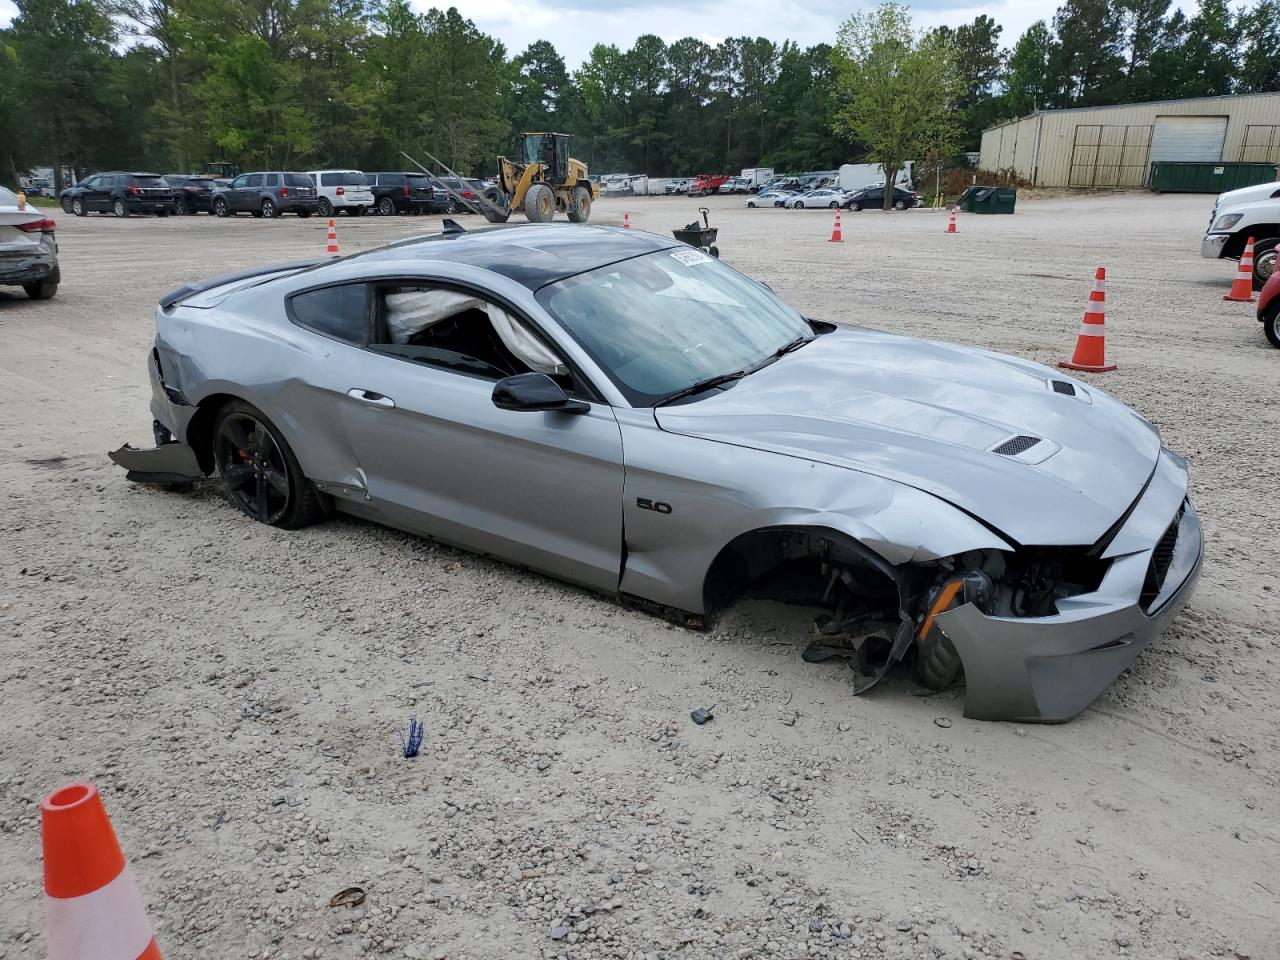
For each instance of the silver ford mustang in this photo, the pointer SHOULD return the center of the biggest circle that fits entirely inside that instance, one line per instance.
(632, 415)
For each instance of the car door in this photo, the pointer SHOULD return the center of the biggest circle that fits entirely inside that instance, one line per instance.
(540, 489)
(98, 196)
(234, 194)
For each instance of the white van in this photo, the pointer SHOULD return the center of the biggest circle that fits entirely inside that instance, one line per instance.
(342, 190)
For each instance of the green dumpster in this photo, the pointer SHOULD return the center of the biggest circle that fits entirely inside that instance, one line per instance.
(988, 200)
(1168, 176)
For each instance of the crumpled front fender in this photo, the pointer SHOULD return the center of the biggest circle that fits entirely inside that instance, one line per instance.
(171, 462)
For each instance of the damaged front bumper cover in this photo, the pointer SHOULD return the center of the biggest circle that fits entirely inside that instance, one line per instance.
(168, 462)
(1049, 669)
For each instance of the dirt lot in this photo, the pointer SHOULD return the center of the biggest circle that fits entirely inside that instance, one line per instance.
(236, 691)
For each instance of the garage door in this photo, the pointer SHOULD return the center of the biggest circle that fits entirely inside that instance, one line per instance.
(1189, 138)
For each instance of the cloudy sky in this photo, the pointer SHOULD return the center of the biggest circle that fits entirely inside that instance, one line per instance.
(517, 23)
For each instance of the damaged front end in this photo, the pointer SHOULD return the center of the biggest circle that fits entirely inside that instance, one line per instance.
(169, 461)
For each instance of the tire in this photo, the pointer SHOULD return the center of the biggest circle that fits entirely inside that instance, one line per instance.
(180, 206)
(387, 207)
(326, 208)
(751, 204)
(77, 207)
(119, 209)
(899, 204)
(833, 205)
(539, 203)
(452, 207)
(799, 205)
(580, 211)
(1271, 325)
(1265, 253)
(220, 207)
(937, 665)
(66, 203)
(855, 207)
(500, 211)
(43, 289)
(268, 209)
(262, 476)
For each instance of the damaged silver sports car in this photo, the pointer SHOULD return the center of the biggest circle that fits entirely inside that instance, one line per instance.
(629, 414)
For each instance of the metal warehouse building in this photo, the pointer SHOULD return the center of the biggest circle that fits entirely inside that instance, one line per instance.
(1115, 146)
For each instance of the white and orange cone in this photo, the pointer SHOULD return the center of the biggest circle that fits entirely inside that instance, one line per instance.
(95, 911)
(951, 224)
(1242, 285)
(836, 236)
(1091, 344)
(626, 221)
(332, 247)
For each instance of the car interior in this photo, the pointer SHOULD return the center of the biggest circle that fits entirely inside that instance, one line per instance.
(457, 330)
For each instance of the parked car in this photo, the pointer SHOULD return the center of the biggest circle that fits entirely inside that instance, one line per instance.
(342, 191)
(191, 194)
(1240, 214)
(872, 198)
(587, 402)
(267, 193)
(678, 185)
(28, 248)
(769, 198)
(403, 193)
(468, 189)
(1269, 308)
(736, 185)
(825, 197)
(119, 193)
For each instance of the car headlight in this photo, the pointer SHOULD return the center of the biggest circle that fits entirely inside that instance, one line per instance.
(1228, 220)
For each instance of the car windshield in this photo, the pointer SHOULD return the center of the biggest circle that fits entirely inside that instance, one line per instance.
(662, 323)
(353, 178)
(149, 181)
(297, 180)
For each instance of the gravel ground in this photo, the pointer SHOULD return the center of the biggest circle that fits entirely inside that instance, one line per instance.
(236, 691)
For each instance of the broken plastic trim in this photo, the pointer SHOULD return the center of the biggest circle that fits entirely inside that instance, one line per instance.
(167, 463)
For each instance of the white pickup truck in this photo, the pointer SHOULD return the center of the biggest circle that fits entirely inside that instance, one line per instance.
(1241, 214)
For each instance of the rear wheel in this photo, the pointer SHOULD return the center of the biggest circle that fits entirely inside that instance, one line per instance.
(834, 205)
(539, 203)
(1265, 254)
(180, 206)
(799, 204)
(855, 206)
(262, 475)
(899, 204)
(386, 206)
(220, 207)
(1271, 325)
(118, 208)
(268, 209)
(580, 212)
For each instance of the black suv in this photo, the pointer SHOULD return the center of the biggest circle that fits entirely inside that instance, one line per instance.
(191, 194)
(119, 193)
(267, 194)
(403, 193)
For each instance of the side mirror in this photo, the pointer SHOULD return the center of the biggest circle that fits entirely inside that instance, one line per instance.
(534, 391)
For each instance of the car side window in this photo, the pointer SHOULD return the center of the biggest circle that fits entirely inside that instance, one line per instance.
(339, 312)
(92, 183)
(330, 179)
(273, 179)
(253, 180)
(459, 331)
(238, 182)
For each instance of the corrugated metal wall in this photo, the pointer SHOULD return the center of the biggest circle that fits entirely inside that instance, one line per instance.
(1111, 146)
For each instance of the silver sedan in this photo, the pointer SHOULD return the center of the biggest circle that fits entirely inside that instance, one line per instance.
(629, 414)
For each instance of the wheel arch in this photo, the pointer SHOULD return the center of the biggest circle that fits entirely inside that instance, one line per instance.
(199, 432)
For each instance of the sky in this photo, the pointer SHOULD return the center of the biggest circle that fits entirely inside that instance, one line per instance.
(574, 26)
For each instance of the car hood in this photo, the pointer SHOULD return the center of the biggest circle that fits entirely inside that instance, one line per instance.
(929, 415)
(1235, 198)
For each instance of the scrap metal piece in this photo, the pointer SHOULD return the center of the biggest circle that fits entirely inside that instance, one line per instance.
(172, 462)
(703, 714)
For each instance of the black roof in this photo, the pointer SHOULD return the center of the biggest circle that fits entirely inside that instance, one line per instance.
(532, 255)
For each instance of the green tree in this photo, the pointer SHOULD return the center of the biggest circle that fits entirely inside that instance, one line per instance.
(1260, 54)
(979, 67)
(1030, 83)
(1087, 56)
(897, 89)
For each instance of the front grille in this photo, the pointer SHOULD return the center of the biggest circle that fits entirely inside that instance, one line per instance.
(1161, 558)
(1061, 386)
(1016, 445)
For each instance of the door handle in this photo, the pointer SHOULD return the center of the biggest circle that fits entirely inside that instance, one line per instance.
(370, 397)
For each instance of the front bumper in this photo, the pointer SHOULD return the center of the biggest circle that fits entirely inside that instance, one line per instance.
(1212, 245)
(1048, 669)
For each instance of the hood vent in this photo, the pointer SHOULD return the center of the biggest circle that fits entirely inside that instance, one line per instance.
(1015, 446)
(1061, 386)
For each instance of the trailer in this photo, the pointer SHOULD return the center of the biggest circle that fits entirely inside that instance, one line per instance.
(855, 176)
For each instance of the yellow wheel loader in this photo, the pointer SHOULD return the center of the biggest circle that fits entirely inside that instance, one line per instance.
(543, 180)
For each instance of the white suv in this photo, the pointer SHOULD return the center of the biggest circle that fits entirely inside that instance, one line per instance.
(342, 190)
(1241, 214)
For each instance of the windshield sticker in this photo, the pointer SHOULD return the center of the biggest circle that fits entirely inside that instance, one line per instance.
(690, 257)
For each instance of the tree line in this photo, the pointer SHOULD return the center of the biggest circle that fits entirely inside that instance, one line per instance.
(171, 84)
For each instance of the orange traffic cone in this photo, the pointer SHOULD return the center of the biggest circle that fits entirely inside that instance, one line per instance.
(332, 248)
(1091, 344)
(1242, 285)
(626, 221)
(94, 907)
(951, 224)
(835, 231)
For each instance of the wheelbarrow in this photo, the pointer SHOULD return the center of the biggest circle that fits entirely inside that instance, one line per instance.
(700, 235)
